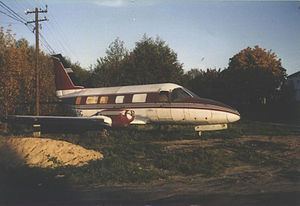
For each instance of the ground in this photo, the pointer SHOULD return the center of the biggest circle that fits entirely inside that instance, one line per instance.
(252, 163)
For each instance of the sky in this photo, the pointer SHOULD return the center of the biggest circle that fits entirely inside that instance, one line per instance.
(204, 34)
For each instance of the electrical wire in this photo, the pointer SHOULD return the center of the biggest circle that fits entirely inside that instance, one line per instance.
(9, 12)
(12, 12)
(14, 18)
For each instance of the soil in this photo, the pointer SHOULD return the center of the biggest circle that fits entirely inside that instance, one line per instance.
(45, 153)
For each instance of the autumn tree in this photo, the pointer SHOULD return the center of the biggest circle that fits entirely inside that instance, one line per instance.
(17, 77)
(254, 76)
(10, 72)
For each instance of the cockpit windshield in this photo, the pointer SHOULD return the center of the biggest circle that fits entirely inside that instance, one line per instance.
(191, 93)
(179, 94)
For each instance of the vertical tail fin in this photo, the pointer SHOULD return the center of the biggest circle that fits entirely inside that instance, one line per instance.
(62, 79)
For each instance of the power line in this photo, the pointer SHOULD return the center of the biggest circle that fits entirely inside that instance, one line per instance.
(59, 32)
(50, 49)
(12, 12)
(14, 18)
(58, 41)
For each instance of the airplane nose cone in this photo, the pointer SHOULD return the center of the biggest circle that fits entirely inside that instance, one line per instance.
(233, 117)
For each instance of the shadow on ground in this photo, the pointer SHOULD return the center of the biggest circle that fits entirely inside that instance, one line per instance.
(21, 185)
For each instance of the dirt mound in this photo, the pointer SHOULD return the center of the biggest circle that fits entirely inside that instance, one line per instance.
(41, 152)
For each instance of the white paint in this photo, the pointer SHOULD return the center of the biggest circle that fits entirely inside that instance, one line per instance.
(117, 90)
(232, 117)
(211, 127)
(178, 115)
(151, 114)
(164, 114)
(218, 117)
(199, 115)
(106, 119)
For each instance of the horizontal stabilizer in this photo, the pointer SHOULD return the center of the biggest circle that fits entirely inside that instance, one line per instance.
(68, 70)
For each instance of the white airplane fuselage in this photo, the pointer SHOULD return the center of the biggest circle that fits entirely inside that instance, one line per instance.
(148, 106)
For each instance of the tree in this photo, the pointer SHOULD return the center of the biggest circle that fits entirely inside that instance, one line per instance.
(152, 61)
(205, 83)
(254, 76)
(17, 77)
(9, 72)
(108, 69)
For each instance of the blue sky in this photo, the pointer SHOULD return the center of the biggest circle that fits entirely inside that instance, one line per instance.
(204, 34)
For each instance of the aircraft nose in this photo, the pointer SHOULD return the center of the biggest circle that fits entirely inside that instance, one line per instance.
(233, 117)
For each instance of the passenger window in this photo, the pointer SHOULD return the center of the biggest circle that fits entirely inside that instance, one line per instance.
(163, 96)
(119, 99)
(103, 100)
(91, 100)
(78, 100)
(139, 98)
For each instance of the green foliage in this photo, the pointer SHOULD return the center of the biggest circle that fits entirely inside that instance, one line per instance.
(207, 84)
(151, 61)
(108, 70)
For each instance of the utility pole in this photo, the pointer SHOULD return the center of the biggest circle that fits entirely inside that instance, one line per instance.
(37, 71)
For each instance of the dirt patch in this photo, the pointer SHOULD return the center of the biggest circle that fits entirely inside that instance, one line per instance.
(188, 144)
(44, 153)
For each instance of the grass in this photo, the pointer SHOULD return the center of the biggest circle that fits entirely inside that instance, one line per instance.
(134, 156)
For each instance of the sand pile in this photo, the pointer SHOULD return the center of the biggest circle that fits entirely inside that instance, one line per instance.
(41, 152)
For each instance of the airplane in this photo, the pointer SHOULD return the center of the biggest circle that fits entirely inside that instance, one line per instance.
(122, 106)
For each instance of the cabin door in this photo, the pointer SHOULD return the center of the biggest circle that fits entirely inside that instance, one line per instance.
(164, 112)
(178, 114)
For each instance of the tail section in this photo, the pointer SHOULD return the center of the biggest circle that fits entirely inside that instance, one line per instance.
(62, 79)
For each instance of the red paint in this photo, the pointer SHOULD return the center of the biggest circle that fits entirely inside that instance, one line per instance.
(120, 118)
(62, 79)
